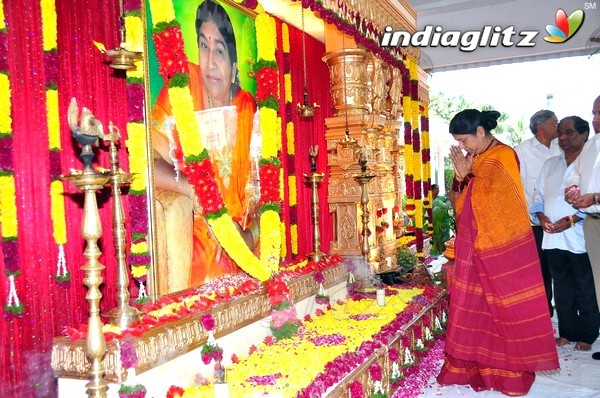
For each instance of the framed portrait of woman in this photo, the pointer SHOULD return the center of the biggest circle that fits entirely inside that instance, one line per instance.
(217, 47)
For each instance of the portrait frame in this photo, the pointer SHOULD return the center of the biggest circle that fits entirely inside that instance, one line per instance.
(243, 22)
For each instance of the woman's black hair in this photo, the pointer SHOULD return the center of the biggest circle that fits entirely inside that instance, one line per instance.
(467, 121)
(210, 10)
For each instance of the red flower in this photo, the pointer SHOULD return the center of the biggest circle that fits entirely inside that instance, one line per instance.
(267, 80)
(202, 176)
(356, 390)
(375, 371)
(175, 392)
(278, 292)
(170, 52)
(269, 340)
(208, 322)
(319, 277)
(269, 183)
(234, 358)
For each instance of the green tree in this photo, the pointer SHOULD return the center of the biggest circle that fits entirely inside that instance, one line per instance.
(446, 107)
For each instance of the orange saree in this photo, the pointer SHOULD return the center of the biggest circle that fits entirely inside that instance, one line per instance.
(499, 330)
(209, 261)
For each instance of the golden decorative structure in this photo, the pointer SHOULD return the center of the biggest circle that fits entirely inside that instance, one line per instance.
(363, 179)
(95, 347)
(123, 314)
(313, 180)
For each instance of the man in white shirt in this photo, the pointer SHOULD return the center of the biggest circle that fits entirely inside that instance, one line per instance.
(583, 191)
(574, 292)
(532, 155)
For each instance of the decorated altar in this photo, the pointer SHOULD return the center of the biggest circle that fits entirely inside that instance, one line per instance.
(352, 340)
(93, 288)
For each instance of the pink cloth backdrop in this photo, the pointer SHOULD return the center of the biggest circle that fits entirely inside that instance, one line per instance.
(26, 342)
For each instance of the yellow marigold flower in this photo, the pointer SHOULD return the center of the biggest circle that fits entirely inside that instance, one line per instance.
(8, 215)
(162, 11)
(5, 105)
(268, 128)
(288, 87)
(270, 240)
(185, 119)
(408, 155)
(137, 271)
(110, 328)
(2, 22)
(135, 33)
(290, 138)
(292, 190)
(266, 37)
(417, 166)
(285, 37)
(138, 162)
(52, 119)
(57, 212)
(49, 31)
(283, 240)
(231, 241)
(294, 238)
(141, 247)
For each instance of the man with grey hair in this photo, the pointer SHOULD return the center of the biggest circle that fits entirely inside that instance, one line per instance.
(533, 153)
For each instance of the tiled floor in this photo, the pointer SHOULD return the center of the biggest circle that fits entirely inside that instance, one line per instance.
(579, 377)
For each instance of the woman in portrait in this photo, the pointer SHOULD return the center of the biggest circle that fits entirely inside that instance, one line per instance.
(225, 114)
(499, 330)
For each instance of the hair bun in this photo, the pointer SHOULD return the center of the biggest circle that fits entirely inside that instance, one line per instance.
(490, 119)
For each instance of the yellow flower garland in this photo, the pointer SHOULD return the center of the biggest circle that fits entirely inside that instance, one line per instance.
(8, 215)
(136, 145)
(294, 238)
(138, 162)
(49, 31)
(2, 22)
(290, 137)
(5, 104)
(293, 194)
(135, 42)
(57, 212)
(52, 119)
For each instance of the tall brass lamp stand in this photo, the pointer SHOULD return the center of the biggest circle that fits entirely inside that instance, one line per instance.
(313, 180)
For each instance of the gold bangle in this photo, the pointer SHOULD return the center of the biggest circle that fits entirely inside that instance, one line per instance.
(572, 221)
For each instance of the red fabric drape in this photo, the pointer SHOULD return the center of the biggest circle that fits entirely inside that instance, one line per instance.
(310, 132)
(26, 342)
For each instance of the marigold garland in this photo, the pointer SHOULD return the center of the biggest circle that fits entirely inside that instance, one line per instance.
(5, 104)
(8, 207)
(290, 143)
(57, 206)
(416, 155)
(136, 146)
